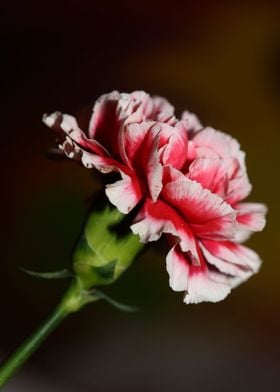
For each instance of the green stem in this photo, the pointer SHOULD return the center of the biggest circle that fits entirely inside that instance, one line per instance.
(72, 301)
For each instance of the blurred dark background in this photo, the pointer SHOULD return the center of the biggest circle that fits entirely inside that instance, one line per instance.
(216, 59)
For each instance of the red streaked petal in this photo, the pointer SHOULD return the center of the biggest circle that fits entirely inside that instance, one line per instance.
(111, 112)
(157, 218)
(251, 215)
(174, 151)
(231, 258)
(239, 188)
(154, 108)
(199, 283)
(67, 125)
(211, 173)
(212, 141)
(206, 213)
(141, 151)
(125, 194)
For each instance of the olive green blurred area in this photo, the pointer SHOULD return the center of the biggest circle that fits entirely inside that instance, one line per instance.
(220, 60)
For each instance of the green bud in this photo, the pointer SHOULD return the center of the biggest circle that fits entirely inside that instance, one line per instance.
(105, 249)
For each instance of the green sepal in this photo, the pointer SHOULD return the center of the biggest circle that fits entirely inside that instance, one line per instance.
(118, 305)
(107, 271)
(63, 274)
(105, 249)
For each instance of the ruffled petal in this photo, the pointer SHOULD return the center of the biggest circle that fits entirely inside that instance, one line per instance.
(110, 112)
(65, 125)
(193, 123)
(152, 165)
(157, 218)
(131, 137)
(174, 142)
(125, 194)
(211, 173)
(155, 108)
(242, 235)
(178, 269)
(239, 188)
(114, 110)
(231, 258)
(200, 284)
(78, 147)
(210, 142)
(141, 154)
(206, 213)
(251, 215)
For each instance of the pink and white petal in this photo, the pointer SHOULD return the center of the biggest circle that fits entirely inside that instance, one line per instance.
(143, 107)
(206, 213)
(162, 108)
(172, 146)
(192, 152)
(103, 109)
(101, 163)
(242, 235)
(77, 146)
(167, 118)
(249, 222)
(149, 225)
(67, 125)
(200, 284)
(238, 188)
(130, 110)
(205, 152)
(155, 108)
(132, 137)
(141, 144)
(178, 269)
(71, 149)
(125, 194)
(170, 174)
(207, 287)
(238, 154)
(157, 218)
(251, 215)
(231, 258)
(215, 141)
(152, 166)
(209, 141)
(56, 122)
(104, 164)
(193, 123)
(110, 113)
(226, 267)
(174, 151)
(146, 103)
(210, 173)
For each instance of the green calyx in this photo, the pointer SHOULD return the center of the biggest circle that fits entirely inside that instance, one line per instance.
(105, 249)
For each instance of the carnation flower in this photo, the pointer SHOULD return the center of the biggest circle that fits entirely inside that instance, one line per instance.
(188, 180)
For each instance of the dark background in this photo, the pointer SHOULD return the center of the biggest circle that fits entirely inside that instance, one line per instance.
(220, 61)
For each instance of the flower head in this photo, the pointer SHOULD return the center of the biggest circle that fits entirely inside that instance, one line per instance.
(191, 181)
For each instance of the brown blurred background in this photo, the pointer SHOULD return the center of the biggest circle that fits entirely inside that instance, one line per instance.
(218, 60)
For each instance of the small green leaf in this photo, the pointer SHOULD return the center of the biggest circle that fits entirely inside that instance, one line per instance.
(116, 304)
(63, 274)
